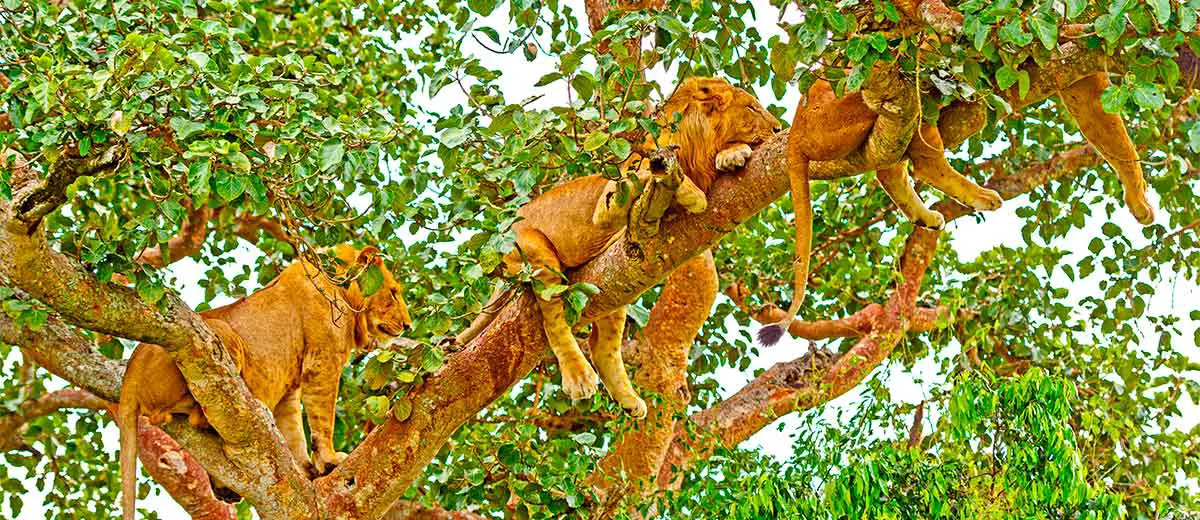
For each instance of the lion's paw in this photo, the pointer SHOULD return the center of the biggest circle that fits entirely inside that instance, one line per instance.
(325, 462)
(930, 219)
(986, 200)
(579, 380)
(638, 410)
(733, 157)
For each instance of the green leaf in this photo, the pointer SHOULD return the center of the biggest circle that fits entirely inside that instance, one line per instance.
(1075, 8)
(150, 290)
(1113, 98)
(402, 409)
(376, 406)
(1045, 26)
(452, 137)
(1110, 27)
(672, 25)
(483, 7)
(227, 185)
(331, 154)
(1194, 138)
(371, 280)
(584, 438)
(185, 128)
(1006, 77)
(199, 59)
(1148, 96)
(620, 148)
(119, 124)
(595, 140)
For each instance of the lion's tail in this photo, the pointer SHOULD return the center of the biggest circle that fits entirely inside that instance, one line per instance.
(802, 207)
(127, 422)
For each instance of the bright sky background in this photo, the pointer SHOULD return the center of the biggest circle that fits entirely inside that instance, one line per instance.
(968, 237)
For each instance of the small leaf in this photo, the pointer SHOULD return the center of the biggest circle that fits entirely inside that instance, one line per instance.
(371, 280)
(672, 25)
(1110, 27)
(620, 148)
(184, 128)
(1006, 77)
(1148, 96)
(227, 185)
(595, 140)
(402, 409)
(376, 406)
(331, 154)
(1045, 25)
(199, 59)
(452, 137)
(149, 290)
(1075, 8)
(119, 123)
(1162, 10)
(585, 438)
(1113, 98)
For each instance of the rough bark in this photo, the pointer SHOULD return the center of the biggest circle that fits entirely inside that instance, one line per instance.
(822, 375)
(67, 287)
(661, 354)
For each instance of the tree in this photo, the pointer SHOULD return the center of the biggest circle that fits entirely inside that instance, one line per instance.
(138, 134)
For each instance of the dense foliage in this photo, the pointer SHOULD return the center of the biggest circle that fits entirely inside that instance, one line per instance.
(393, 122)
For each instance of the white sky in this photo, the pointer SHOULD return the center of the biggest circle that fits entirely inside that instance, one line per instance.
(968, 238)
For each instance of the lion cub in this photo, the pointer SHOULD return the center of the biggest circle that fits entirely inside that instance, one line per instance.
(290, 348)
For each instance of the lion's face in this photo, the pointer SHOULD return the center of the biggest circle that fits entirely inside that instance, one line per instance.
(714, 115)
(387, 314)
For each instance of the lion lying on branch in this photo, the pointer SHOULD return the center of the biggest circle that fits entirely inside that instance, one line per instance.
(574, 222)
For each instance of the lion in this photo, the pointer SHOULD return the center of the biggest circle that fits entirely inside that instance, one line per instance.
(290, 341)
(828, 128)
(574, 222)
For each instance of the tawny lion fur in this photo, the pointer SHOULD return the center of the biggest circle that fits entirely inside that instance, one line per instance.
(574, 222)
(290, 349)
(828, 128)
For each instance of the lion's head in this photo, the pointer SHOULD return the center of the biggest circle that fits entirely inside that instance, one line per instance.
(713, 115)
(383, 316)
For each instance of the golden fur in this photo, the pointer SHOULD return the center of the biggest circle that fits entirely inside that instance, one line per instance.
(574, 222)
(290, 348)
(828, 128)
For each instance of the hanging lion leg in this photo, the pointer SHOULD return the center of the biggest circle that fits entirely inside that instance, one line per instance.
(1107, 133)
(930, 165)
(895, 182)
(608, 332)
(579, 380)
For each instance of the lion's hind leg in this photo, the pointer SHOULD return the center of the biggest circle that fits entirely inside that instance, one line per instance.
(1107, 133)
(606, 352)
(579, 380)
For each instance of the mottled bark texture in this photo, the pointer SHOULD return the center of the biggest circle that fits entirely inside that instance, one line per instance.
(29, 263)
(660, 354)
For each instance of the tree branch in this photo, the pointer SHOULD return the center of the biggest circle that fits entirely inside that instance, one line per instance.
(279, 488)
(187, 242)
(661, 352)
(35, 200)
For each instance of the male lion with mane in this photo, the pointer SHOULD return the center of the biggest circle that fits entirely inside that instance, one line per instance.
(574, 222)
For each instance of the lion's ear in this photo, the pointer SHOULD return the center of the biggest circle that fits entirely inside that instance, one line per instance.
(369, 255)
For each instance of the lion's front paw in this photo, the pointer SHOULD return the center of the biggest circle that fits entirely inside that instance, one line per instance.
(733, 157)
(579, 380)
(986, 200)
(637, 410)
(930, 219)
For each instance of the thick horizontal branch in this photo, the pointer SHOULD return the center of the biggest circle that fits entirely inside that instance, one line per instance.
(63, 352)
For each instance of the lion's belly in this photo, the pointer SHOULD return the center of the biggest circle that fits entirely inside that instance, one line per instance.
(564, 216)
(274, 347)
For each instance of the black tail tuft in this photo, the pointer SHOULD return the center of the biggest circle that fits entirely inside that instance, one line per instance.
(770, 334)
